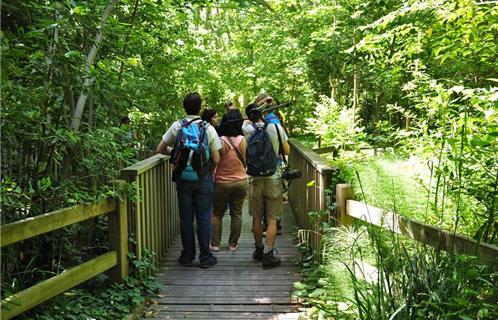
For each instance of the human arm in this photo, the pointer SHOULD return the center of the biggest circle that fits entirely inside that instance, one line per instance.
(168, 139)
(215, 145)
(162, 147)
(243, 147)
(285, 147)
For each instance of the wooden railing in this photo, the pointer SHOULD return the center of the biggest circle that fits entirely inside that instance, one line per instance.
(115, 261)
(154, 220)
(349, 209)
(309, 193)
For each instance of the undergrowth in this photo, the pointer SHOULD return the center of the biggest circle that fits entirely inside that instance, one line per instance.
(408, 281)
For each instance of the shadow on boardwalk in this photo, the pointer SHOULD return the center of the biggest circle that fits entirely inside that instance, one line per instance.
(237, 287)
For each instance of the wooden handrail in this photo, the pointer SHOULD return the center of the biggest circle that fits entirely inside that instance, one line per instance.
(311, 157)
(34, 226)
(413, 229)
(115, 261)
(144, 165)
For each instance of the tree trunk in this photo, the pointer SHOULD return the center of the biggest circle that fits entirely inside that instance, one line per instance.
(90, 60)
(407, 122)
(355, 82)
(333, 87)
(356, 96)
(90, 110)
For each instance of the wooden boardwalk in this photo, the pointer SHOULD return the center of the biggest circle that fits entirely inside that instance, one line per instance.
(237, 287)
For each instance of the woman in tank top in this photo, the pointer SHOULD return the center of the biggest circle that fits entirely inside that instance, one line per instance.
(230, 180)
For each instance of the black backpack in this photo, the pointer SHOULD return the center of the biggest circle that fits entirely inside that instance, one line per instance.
(190, 154)
(260, 157)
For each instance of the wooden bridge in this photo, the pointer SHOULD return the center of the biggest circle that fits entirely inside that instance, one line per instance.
(237, 287)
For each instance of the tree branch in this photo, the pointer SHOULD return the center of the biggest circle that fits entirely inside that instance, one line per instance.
(90, 60)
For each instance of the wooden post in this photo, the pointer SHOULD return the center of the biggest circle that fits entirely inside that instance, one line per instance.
(118, 240)
(343, 192)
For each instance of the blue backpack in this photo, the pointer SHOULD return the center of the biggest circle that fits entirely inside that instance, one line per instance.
(260, 157)
(190, 154)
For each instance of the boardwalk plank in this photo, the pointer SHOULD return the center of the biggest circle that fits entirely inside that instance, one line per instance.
(226, 315)
(237, 287)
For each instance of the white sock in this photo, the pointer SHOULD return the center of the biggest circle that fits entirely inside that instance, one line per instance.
(267, 249)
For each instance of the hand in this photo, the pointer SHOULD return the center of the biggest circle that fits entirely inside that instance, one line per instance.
(268, 100)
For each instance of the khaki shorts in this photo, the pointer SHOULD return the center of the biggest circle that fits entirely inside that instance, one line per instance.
(265, 194)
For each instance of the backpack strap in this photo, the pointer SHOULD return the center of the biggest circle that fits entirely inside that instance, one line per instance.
(237, 151)
(186, 123)
(280, 145)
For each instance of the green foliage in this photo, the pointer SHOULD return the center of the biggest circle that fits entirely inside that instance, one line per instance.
(407, 282)
(335, 124)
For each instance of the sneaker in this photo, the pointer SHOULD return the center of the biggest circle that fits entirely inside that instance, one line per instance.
(258, 253)
(209, 262)
(269, 260)
(214, 248)
(232, 248)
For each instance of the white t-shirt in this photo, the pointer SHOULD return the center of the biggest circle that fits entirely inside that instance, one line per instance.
(248, 129)
(213, 140)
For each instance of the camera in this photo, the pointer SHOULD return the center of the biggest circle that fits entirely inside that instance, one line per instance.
(291, 174)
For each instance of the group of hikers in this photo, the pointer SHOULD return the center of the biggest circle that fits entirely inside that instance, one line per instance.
(216, 166)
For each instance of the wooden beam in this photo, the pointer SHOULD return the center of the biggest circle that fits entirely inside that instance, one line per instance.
(320, 164)
(343, 193)
(118, 241)
(144, 165)
(427, 234)
(28, 298)
(34, 226)
(323, 150)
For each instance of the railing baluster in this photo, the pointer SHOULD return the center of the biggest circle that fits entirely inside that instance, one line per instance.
(154, 217)
(308, 193)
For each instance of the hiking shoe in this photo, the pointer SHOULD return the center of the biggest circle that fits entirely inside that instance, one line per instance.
(209, 262)
(269, 260)
(185, 262)
(258, 253)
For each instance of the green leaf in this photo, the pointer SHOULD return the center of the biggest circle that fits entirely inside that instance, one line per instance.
(300, 285)
(41, 166)
(317, 292)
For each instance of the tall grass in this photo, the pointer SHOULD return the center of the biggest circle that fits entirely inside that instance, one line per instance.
(371, 273)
